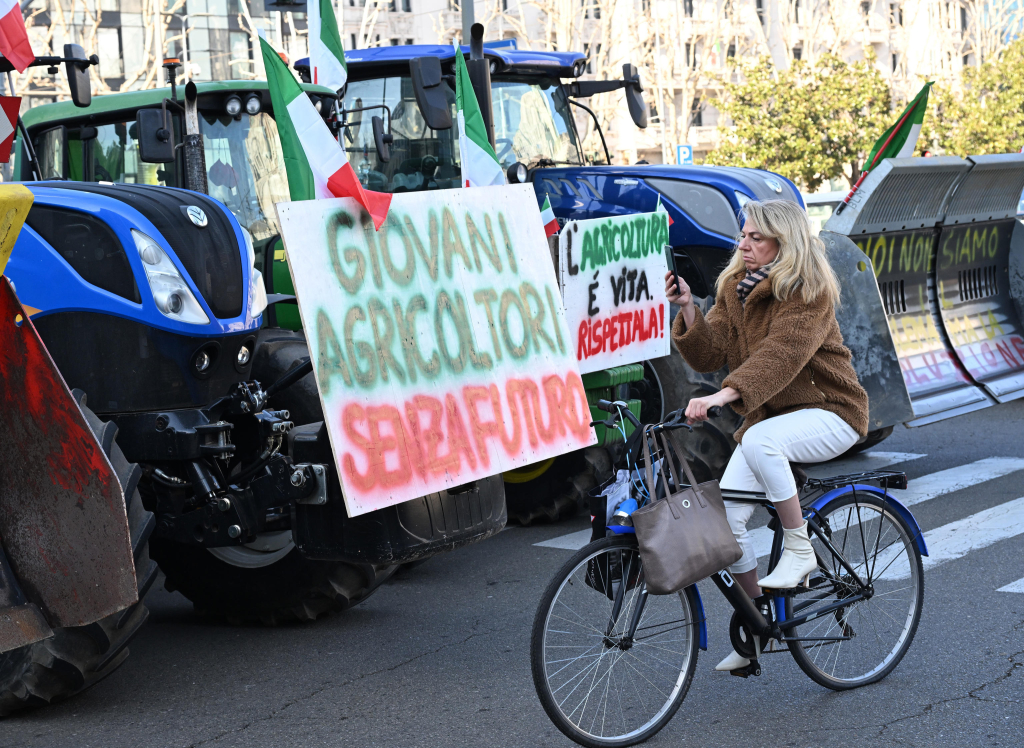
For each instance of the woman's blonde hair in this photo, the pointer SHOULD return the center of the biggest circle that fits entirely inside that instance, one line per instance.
(802, 262)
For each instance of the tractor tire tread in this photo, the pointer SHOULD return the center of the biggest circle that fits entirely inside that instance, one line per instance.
(75, 658)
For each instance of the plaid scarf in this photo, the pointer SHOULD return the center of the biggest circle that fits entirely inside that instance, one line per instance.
(753, 277)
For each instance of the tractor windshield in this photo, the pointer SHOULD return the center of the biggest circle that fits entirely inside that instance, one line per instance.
(532, 122)
(245, 168)
(421, 158)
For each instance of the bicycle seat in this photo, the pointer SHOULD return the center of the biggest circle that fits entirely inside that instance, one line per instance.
(799, 475)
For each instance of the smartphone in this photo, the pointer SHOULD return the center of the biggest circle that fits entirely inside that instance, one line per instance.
(670, 260)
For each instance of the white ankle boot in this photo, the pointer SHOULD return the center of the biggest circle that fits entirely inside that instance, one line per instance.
(733, 662)
(796, 563)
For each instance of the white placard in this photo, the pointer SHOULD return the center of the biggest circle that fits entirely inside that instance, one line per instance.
(440, 348)
(612, 274)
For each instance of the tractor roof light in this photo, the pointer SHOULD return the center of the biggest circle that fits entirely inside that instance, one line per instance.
(233, 105)
(253, 104)
(171, 293)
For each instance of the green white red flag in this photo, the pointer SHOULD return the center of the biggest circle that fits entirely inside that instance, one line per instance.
(315, 162)
(326, 53)
(899, 140)
(480, 166)
(547, 217)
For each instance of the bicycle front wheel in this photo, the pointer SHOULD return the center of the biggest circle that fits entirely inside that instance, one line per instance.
(611, 663)
(863, 642)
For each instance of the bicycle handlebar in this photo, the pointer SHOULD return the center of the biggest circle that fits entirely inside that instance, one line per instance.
(674, 420)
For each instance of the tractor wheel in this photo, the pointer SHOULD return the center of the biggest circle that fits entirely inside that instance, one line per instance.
(75, 658)
(710, 446)
(278, 351)
(554, 489)
(268, 581)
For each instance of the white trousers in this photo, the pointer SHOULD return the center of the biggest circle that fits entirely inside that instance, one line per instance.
(761, 463)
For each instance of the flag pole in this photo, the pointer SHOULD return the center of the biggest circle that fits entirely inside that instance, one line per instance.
(879, 152)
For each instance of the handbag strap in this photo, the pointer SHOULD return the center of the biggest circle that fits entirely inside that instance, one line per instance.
(669, 451)
(648, 469)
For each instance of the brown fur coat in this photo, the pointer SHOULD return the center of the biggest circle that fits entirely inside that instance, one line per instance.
(782, 356)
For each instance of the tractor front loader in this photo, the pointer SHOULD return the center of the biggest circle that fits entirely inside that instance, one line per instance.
(74, 564)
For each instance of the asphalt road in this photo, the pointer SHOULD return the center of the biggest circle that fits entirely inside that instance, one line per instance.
(440, 656)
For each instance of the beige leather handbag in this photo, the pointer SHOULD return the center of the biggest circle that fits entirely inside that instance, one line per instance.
(684, 537)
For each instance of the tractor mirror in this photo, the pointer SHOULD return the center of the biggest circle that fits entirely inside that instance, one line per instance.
(634, 95)
(79, 84)
(156, 136)
(430, 94)
(381, 140)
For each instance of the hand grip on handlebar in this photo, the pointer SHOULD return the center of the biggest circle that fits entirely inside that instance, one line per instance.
(714, 411)
(606, 405)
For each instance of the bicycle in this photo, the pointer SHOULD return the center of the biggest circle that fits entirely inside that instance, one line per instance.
(612, 663)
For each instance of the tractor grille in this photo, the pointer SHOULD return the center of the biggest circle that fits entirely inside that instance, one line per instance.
(978, 283)
(894, 298)
(210, 255)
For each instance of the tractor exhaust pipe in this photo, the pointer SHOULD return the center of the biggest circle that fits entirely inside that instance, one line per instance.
(195, 154)
(480, 73)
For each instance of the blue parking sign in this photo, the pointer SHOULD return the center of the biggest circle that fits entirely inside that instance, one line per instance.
(684, 155)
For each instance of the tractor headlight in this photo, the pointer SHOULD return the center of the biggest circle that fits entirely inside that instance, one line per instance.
(259, 291)
(253, 104)
(233, 105)
(171, 293)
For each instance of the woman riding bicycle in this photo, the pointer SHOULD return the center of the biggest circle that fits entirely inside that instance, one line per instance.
(774, 325)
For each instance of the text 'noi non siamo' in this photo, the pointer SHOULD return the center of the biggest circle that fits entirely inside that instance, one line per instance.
(428, 297)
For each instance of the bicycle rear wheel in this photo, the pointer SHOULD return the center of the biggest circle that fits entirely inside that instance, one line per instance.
(599, 686)
(868, 638)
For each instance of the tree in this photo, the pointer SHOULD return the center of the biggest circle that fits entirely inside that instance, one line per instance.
(985, 116)
(815, 121)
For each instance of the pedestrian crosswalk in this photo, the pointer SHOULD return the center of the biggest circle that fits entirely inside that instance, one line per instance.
(947, 543)
(1017, 586)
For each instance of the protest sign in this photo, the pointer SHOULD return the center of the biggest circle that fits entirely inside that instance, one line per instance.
(612, 274)
(439, 345)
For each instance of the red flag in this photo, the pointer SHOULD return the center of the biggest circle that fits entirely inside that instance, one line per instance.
(14, 43)
(9, 107)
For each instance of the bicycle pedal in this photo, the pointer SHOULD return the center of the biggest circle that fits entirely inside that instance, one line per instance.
(754, 668)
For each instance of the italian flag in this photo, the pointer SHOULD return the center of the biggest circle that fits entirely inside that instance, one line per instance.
(326, 54)
(480, 167)
(315, 162)
(14, 43)
(547, 217)
(899, 140)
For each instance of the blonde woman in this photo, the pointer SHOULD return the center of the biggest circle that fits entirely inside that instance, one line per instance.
(774, 325)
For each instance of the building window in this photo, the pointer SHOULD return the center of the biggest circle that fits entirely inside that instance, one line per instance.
(696, 113)
(409, 42)
(797, 53)
(395, 42)
(760, 11)
(865, 8)
(731, 52)
(354, 45)
(963, 18)
(688, 8)
(796, 13)
(592, 51)
(896, 13)
(895, 62)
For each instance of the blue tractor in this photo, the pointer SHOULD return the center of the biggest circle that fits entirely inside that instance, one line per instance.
(150, 303)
